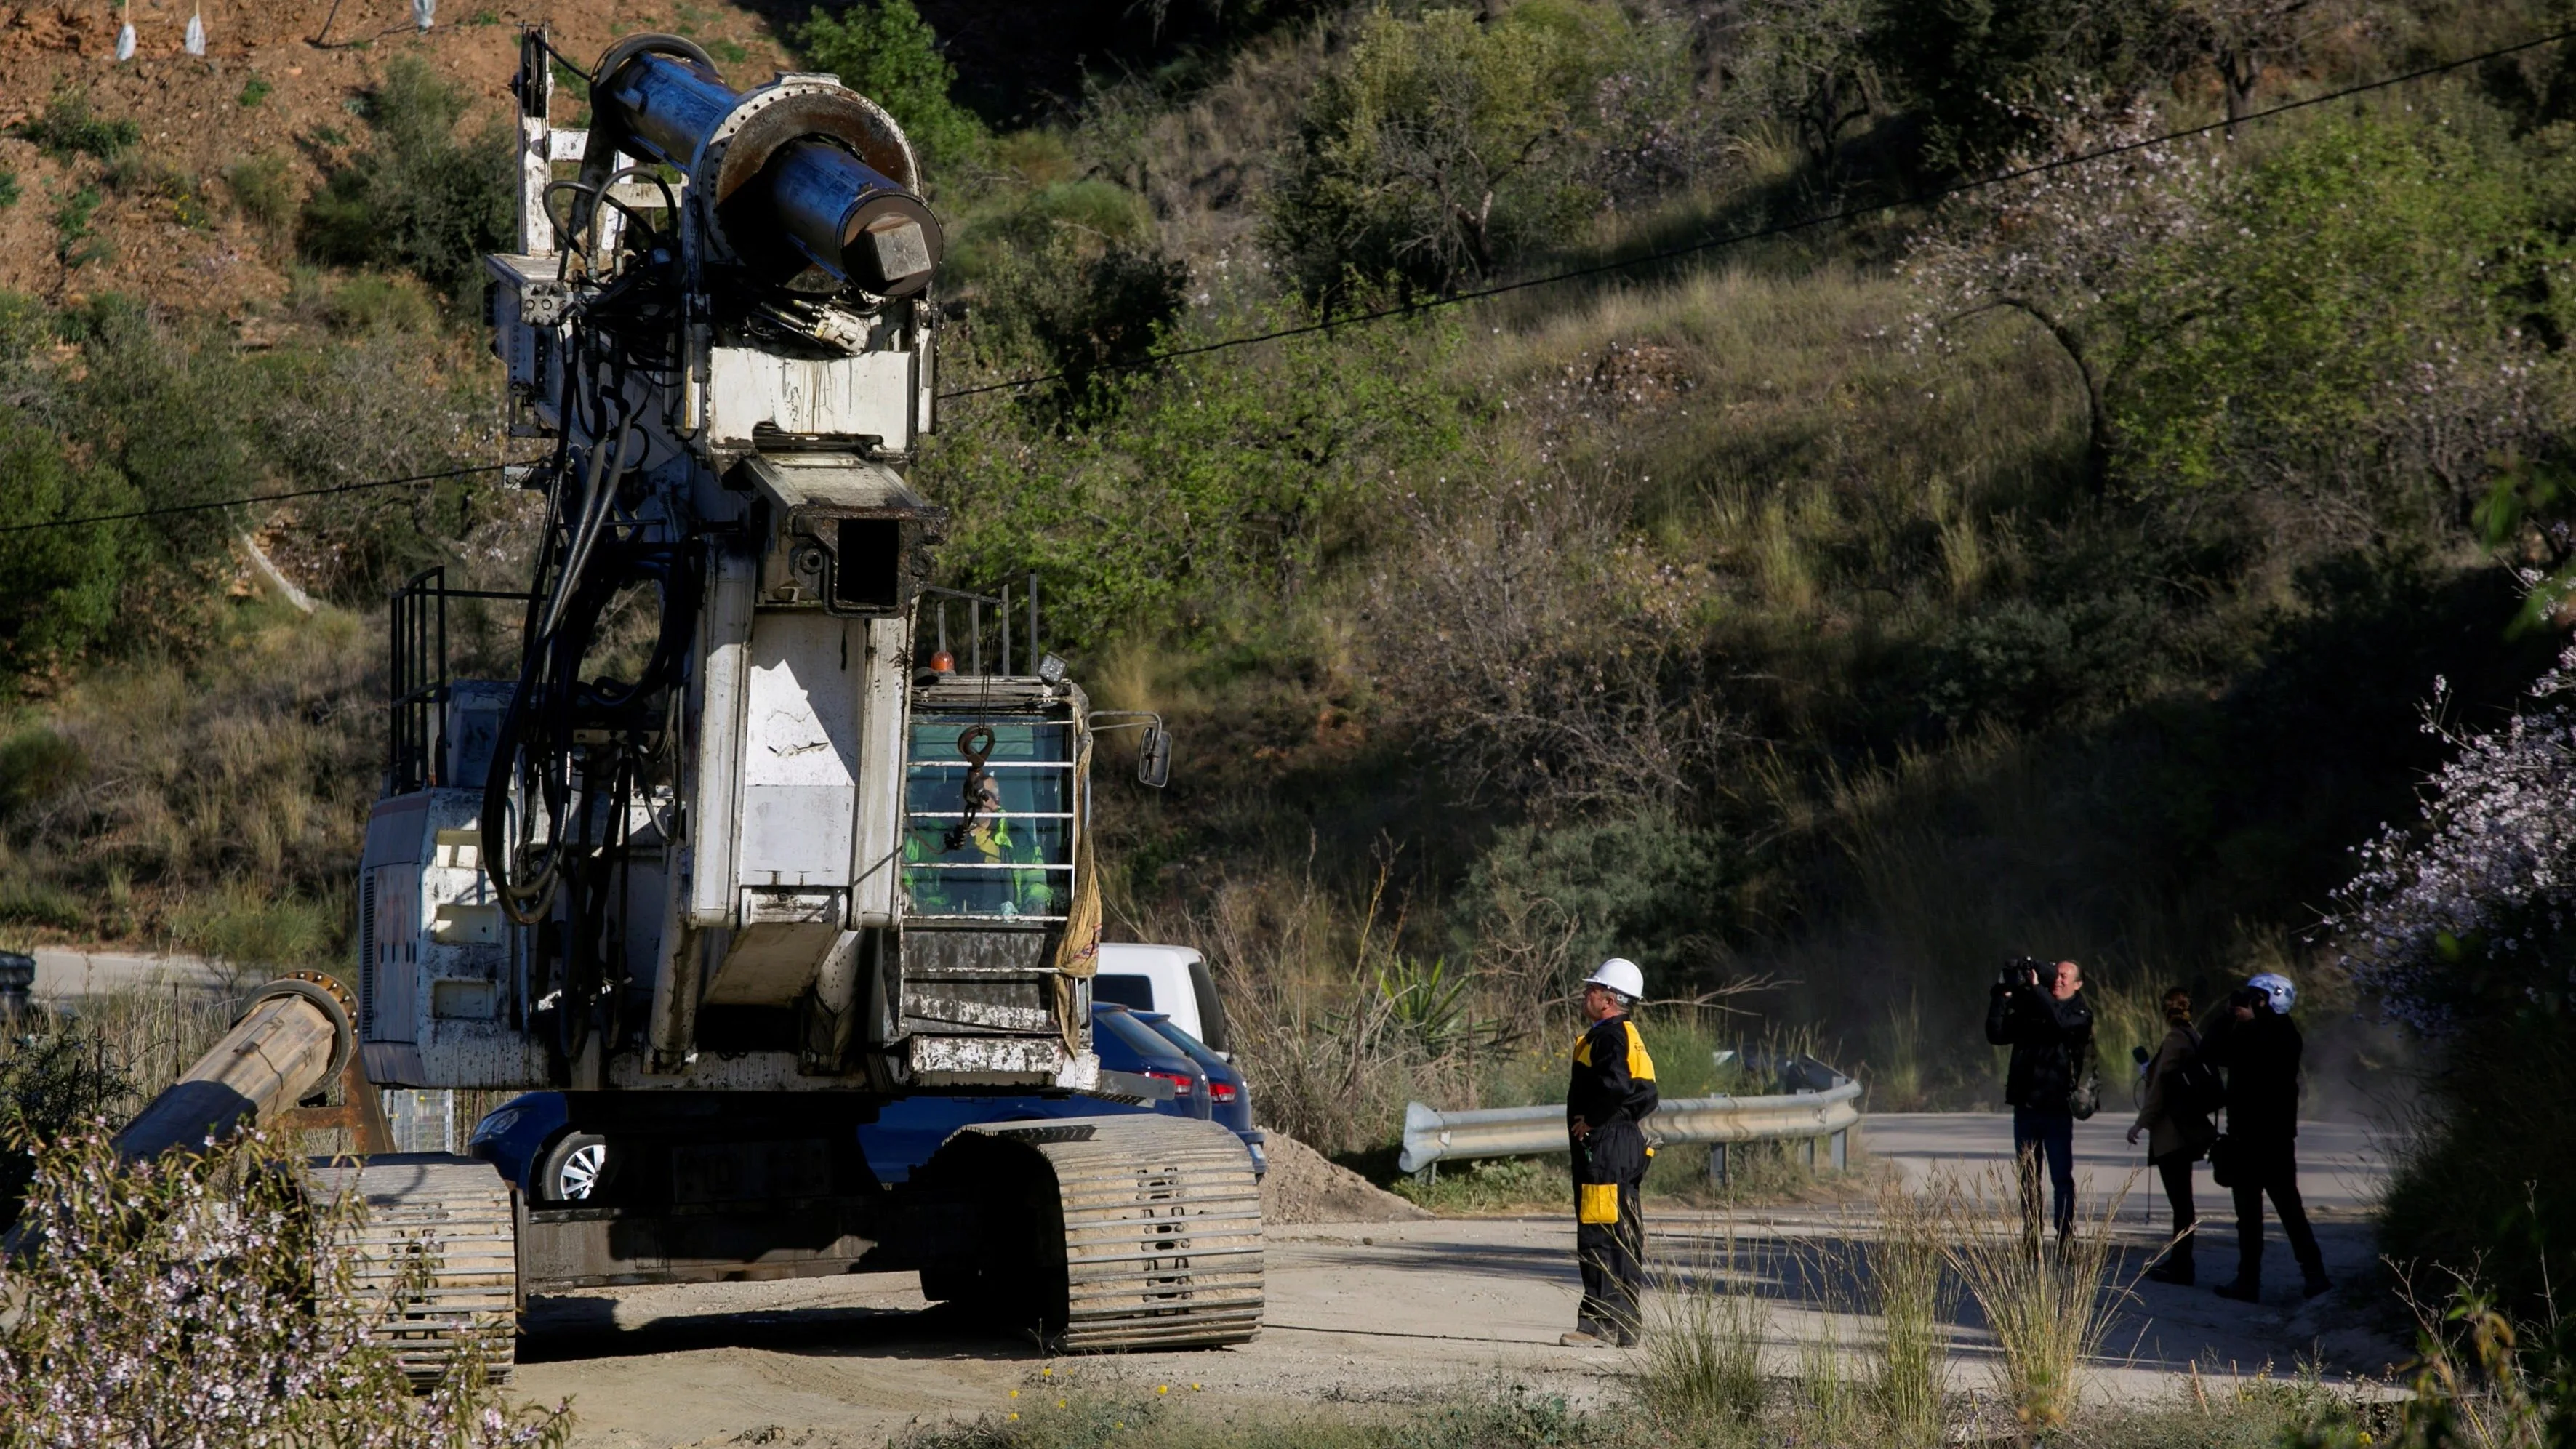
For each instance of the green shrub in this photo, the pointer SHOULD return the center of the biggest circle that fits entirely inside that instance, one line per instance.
(68, 128)
(175, 424)
(43, 904)
(2026, 662)
(37, 763)
(8, 189)
(372, 303)
(416, 196)
(263, 191)
(58, 586)
(1650, 886)
(885, 51)
(254, 91)
(75, 245)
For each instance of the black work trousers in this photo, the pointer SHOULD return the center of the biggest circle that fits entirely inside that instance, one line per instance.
(2175, 1169)
(2272, 1167)
(1609, 1233)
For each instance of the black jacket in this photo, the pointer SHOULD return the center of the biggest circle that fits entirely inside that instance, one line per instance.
(2262, 1061)
(1614, 1079)
(2051, 1042)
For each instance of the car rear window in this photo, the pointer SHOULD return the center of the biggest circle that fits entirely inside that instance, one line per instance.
(1124, 988)
(1137, 1037)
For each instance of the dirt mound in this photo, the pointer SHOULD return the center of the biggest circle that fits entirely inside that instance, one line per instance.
(1304, 1187)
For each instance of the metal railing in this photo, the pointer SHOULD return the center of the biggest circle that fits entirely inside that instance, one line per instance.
(1824, 1117)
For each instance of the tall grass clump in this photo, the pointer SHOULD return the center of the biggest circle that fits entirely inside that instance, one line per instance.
(173, 1302)
(1910, 1287)
(2047, 1306)
(1703, 1342)
(1829, 1400)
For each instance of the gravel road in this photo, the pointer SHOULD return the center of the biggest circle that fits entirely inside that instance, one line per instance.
(1384, 1313)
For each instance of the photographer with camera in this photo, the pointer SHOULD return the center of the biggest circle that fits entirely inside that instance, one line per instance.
(2258, 1044)
(2039, 1011)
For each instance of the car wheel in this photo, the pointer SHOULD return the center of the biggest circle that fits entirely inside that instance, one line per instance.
(578, 1170)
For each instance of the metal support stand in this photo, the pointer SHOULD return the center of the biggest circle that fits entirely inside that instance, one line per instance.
(360, 1113)
(1717, 1163)
(1841, 1154)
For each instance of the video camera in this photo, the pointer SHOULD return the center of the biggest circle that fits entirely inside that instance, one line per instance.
(2025, 971)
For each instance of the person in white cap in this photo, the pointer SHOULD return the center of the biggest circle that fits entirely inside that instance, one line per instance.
(1607, 1101)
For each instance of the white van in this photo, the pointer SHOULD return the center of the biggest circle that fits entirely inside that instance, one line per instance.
(1169, 979)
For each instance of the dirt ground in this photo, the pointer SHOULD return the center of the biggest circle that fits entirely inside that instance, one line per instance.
(279, 78)
(1393, 1313)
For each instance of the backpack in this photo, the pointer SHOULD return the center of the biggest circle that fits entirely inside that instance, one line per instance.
(2196, 1089)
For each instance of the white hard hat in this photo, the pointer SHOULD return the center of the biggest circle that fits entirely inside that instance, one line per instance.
(2278, 990)
(1621, 975)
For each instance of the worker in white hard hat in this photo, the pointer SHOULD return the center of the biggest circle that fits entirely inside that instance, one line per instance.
(1611, 1094)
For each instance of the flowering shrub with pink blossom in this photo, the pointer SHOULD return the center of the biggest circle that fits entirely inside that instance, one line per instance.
(2467, 910)
(173, 1303)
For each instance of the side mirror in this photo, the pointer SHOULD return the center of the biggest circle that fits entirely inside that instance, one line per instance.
(1154, 757)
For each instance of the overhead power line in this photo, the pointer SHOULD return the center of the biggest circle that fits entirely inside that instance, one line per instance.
(212, 504)
(1804, 223)
(1454, 299)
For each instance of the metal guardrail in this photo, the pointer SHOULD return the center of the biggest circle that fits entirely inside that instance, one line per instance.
(1432, 1137)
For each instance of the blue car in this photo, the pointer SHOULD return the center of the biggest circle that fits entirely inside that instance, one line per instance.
(528, 1140)
(1229, 1095)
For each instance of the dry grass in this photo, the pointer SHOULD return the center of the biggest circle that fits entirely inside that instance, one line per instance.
(1912, 1293)
(2048, 1305)
(217, 807)
(1704, 1332)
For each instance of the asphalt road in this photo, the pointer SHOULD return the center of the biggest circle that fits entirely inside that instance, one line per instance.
(1403, 1313)
(62, 973)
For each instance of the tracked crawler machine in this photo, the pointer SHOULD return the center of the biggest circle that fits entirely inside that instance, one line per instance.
(733, 877)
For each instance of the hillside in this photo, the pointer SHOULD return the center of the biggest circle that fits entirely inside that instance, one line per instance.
(1821, 621)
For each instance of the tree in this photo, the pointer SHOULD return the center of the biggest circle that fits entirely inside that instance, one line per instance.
(2069, 249)
(2244, 39)
(1985, 77)
(1807, 63)
(1440, 148)
(885, 51)
(2369, 321)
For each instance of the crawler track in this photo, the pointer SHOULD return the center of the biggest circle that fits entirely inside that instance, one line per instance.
(459, 1209)
(1162, 1231)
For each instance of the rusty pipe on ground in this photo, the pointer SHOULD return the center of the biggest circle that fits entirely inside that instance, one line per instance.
(298, 1031)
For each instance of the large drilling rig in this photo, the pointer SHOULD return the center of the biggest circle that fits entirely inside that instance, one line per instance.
(741, 853)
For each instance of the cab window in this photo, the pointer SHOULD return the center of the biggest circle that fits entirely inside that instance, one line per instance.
(1008, 851)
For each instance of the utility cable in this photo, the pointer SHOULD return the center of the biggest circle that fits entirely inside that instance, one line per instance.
(171, 508)
(1709, 244)
(1822, 218)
